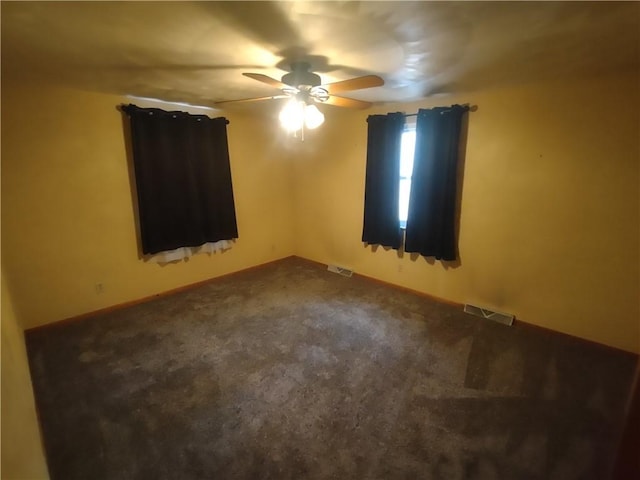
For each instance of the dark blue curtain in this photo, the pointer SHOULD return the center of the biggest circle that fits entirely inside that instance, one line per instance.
(431, 222)
(381, 225)
(183, 179)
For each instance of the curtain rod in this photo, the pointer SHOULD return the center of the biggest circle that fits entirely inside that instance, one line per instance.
(467, 108)
(130, 107)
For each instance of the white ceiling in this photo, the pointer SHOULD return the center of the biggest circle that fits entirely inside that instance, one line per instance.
(195, 52)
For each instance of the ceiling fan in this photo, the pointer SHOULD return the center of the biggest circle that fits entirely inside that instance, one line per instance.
(306, 87)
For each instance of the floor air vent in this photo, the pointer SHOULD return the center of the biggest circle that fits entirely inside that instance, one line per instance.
(345, 272)
(504, 318)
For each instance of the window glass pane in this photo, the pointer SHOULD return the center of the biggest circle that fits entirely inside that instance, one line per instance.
(405, 187)
(406, 167)
(406, 153)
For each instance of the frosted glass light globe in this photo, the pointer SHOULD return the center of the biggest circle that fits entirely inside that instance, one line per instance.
(292, 115)
(313, 117)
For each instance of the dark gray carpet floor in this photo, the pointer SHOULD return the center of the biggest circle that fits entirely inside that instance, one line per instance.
(289, 371)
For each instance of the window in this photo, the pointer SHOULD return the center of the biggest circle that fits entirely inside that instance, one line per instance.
(407, 146)
(413, 169)
(183, 179)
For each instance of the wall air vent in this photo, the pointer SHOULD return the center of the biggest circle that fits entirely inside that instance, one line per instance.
(345, 272)
(503, 318)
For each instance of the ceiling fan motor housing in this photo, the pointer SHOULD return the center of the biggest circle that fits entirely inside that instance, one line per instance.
(300, 76)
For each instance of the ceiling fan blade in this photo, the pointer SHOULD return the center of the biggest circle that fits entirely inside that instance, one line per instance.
(266, 79)
(357, 83)
(347, 102)
(256, 99)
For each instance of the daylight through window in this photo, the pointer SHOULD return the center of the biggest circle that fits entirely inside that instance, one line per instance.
(406, 167)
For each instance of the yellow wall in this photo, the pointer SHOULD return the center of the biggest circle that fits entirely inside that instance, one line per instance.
(67, 211)
(22, 453)
(549, 224)
(549, 229)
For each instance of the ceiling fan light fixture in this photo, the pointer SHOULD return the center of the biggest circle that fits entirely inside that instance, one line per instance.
(313, 117)
(292, 116)
(297, 113)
